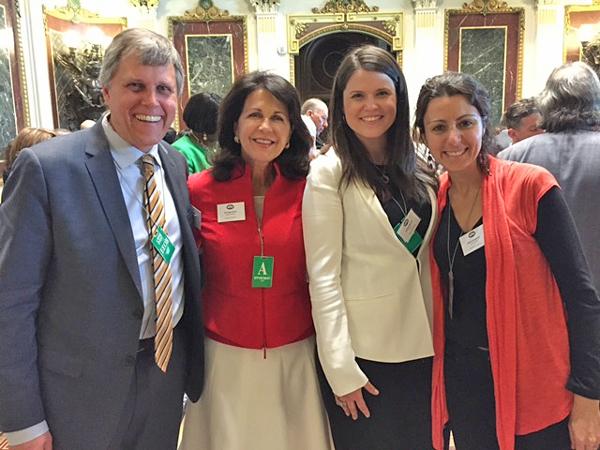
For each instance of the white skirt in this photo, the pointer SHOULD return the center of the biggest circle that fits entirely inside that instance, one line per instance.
(253, 403)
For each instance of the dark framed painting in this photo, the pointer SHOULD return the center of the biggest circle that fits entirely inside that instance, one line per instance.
(488, 44)
(75, 43)
(582, 25)
(213, 49)
(14, 112)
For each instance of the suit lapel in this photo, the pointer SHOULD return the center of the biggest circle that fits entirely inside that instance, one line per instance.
(102, 171)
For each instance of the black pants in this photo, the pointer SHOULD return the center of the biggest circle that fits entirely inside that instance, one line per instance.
(400, 414)
(471, 406)
(152, 414)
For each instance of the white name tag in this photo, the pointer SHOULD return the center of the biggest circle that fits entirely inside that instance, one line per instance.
(471, 241)
(231, 212)
(409, 225)
(197, 217)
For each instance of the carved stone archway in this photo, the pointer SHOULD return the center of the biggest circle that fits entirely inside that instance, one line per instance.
(339, 16)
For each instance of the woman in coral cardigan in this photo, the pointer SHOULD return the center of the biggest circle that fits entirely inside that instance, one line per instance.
(509, 370)
(261, 390)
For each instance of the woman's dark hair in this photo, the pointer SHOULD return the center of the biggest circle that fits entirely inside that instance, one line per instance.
(454, 83)
(293, 161)
(401, 163)
(200, 113)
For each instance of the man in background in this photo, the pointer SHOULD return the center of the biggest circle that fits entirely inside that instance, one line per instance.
(316, 110)
(522, 119)
(570, 148)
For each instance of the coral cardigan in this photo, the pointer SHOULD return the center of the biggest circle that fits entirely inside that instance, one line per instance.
(526, 324)
(235, 313)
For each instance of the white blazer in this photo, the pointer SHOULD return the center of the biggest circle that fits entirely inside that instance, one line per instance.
(369, 296)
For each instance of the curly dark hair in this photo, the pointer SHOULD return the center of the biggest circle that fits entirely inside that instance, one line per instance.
(401, 164)
(455, 83)
(293, 162)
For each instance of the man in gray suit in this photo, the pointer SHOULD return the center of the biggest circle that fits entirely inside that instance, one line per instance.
(83, 277)
(570, 148)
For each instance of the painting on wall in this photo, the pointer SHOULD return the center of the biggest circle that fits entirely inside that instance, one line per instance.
(213, 49)
(75, 41)
(14, 113)
(487, 43)
(582, 27)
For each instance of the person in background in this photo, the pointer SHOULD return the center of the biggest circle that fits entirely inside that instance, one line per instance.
(170, 136)
(368, 214)
(522, 120)
(570, 149)
(100, 286)
(316, 110)
(27, 137)
(261, 390)
(198, 142)
(312, 130)
(508, 270)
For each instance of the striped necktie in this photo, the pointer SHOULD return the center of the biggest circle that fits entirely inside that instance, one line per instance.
(163, 341)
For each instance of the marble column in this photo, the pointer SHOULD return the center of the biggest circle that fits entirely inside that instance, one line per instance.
(548, 40)
(427, 56)
(270, 37)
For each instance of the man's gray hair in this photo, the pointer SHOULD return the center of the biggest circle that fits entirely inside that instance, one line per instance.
(313, 104)
(571, 99)
(151, 48)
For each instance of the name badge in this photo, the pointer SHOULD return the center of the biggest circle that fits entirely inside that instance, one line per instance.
(231, 212)
(197, 217)
(262, 272)
(471, 241)
(163, 244)
(408, 226)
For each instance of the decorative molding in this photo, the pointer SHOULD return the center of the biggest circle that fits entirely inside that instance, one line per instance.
(21, 58)
(75, 13)
(148, 4)
(265, 6)
(424, 4)
(345, 6)
(425, 18)
(486, 6)
(206, 11)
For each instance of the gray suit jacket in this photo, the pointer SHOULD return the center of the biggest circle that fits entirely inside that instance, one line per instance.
(574, 159)
(70, 290)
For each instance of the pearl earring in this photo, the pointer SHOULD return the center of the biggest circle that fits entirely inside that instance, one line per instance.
(236, 139)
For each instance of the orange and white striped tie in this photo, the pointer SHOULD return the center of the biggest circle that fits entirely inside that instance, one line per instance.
(163, 341)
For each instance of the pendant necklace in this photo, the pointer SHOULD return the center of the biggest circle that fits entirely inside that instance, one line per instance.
(452, 258)
(386, 180)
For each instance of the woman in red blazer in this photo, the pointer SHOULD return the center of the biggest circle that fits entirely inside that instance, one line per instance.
(261, 388)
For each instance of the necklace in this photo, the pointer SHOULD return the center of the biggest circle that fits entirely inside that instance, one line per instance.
(452, 258)
(386, 180)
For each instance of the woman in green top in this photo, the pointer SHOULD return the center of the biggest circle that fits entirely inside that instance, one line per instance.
(198, 141)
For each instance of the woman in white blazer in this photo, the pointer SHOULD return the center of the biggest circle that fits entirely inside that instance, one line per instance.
(368, 215)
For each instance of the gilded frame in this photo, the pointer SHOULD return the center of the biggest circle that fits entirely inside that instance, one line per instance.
(489, 16)
(15, 101)
(215, 25)
(577, 16)
(58, 22)
(334, 18)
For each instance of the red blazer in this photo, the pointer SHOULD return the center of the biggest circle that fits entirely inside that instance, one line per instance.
(235, 313)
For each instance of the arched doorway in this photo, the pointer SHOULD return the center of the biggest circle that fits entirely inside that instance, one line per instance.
(318, 60)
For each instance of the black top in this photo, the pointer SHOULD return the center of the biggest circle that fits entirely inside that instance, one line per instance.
(396, 206)
(557, 237)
